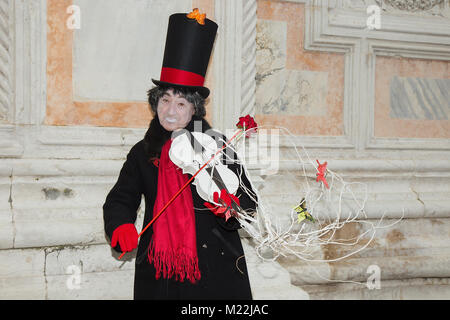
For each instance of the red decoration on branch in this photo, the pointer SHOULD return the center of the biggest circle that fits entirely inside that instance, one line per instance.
(224, 210)
(321, 173)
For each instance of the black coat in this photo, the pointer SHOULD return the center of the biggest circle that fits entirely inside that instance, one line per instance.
(219, 249)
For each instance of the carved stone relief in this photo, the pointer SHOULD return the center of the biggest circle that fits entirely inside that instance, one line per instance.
(415, 7)
(5, 62)
(411, 5)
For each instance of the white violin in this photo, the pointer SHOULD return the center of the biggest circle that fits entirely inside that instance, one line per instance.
(190, 151)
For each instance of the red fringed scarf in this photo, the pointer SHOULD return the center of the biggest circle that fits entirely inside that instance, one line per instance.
(173, 249)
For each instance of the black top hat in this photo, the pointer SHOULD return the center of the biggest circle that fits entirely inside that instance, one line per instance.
(186, 56)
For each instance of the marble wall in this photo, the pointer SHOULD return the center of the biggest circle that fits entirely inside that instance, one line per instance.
(303, 90)
(323, 74)
(281, 91)
(98, 75)
(300, 90)
(412, 98)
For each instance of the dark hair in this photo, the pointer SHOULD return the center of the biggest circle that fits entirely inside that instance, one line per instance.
(156, 135)
(193, 97)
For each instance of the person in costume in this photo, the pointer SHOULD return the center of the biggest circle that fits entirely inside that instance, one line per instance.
(189, 252)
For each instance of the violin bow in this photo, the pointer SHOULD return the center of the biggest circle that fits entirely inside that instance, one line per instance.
(182, 188)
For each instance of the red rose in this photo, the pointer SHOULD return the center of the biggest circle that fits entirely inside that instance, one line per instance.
(248, 124)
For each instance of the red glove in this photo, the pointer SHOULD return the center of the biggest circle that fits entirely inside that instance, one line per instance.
(127, 236)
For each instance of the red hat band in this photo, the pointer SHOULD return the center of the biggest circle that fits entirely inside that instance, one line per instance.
(181, 77)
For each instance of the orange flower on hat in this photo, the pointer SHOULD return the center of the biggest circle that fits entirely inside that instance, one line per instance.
(195, 14)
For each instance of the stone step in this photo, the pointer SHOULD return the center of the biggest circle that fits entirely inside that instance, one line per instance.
(361, 269)
(268, 279)
(409, 289)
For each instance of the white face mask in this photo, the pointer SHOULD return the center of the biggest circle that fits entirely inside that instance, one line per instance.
(174, 111)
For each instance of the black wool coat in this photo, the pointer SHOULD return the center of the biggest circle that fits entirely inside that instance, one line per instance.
(220, 254)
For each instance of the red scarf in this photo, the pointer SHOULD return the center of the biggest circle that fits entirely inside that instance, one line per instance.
(173, 249)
